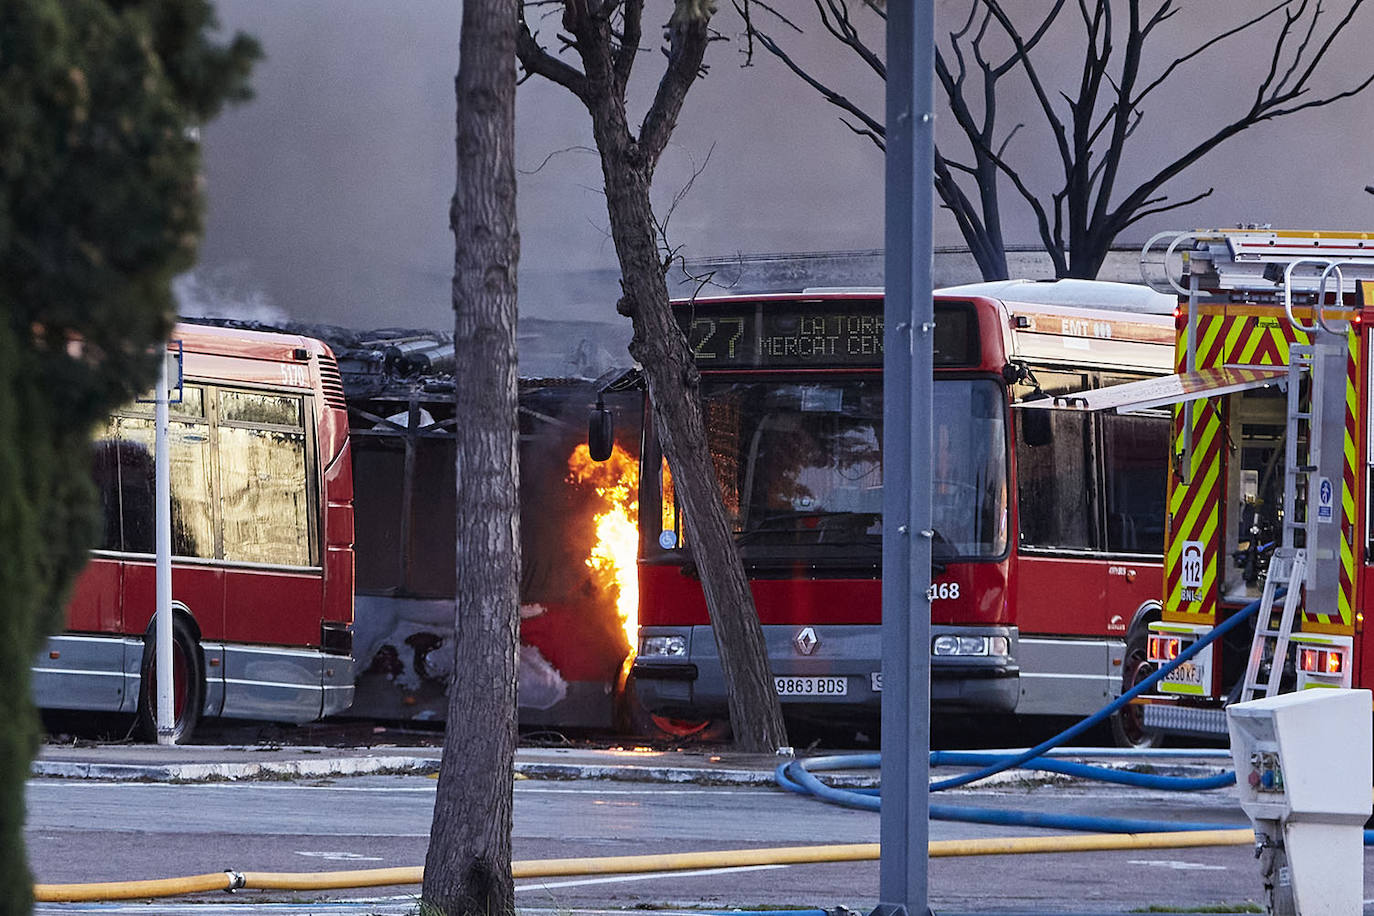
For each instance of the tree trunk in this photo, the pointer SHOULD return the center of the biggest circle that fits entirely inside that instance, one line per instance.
(19, 612)
(608, 50)
(660, 348)
(467, 868)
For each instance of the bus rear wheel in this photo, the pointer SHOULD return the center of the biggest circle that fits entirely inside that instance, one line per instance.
(1128, 722)
(188, 684)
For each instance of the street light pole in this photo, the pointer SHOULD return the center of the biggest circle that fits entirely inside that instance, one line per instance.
(907, 379)
(162, 502)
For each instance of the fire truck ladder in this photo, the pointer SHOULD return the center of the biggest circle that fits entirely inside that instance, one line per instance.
(1288, 568)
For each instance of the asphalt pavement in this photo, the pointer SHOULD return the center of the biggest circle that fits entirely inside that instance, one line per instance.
(84, 759)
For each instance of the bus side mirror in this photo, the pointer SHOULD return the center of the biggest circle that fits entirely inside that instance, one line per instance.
(600, 432)
(1036, 428)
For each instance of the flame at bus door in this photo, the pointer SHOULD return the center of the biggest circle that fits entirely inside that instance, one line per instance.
(614, 555)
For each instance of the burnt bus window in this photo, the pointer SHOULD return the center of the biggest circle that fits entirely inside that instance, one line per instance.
(434, 535)
(378, 472)
(265, 495)
(188, 454)
(191, 403)
(1135, 455)
(252, 407)
(1053, 481)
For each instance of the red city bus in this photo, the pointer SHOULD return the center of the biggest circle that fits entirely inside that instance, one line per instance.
(1048, 525)
(262, 532)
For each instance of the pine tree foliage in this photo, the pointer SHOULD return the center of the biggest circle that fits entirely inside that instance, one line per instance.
(100, 206)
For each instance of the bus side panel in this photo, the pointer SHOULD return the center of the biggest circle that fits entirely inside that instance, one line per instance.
(94, 606)
(339, 534)
(670, 598)
(1060, 595)
(200, 588)
(1130, 584)
(238, 370)
(334, 442)
(264, 606)
(971, 594)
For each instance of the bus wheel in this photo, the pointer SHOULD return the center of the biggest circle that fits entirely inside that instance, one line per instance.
(188, 684)
(1128, 723)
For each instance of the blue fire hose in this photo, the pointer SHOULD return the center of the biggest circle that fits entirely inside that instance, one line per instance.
(796, 776)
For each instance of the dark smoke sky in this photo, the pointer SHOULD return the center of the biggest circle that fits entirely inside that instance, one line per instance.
(329, 192)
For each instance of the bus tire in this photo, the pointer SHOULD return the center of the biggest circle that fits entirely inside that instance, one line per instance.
(1128, 726)
(188, 678)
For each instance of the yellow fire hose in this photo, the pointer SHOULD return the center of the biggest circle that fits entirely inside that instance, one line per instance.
(615, 865)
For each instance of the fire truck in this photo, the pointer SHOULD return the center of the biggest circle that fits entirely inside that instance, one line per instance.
(1269, 471)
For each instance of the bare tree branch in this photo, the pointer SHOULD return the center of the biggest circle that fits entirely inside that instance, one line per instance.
(843, 28)
(549, 158)
(540, 62)
(1201, 49)
(834, 98)
(688, 36)
(1091, 114)
(878, 139)
(1154, 211)
(629, 42)
(679, 196)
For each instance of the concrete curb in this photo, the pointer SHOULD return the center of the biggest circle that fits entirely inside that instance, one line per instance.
(384, 764)
(229, 772)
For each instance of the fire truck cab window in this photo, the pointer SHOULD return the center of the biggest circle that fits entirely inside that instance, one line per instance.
(1254, 488)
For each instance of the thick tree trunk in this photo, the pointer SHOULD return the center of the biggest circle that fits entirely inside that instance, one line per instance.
(19, 612)
(467, 868)
(661, 350)
(608, 50)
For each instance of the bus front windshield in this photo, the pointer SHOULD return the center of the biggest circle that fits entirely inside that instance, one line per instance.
(800, 467)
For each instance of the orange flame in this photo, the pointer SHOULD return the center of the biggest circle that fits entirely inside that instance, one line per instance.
(613, 557)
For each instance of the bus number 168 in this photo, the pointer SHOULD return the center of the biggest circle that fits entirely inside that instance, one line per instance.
(943, 590)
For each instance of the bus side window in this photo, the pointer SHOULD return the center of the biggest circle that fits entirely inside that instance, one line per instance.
(265, 494)
(105, 473)
(1052, 486)
(1052, 478)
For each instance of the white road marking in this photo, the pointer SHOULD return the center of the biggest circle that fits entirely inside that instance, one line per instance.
(648, 876)
(1176, 865)
(339, 856)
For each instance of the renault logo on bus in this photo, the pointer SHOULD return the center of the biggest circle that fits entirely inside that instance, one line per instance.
(806, 640)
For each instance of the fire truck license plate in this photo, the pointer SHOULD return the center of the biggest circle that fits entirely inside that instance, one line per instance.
(1186, 675)
(811, 686)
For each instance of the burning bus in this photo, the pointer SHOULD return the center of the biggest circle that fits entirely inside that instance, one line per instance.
(578, 541)
(578, 536)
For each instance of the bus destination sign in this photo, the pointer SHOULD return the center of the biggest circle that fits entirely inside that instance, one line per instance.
(814, 334)
(791, 335)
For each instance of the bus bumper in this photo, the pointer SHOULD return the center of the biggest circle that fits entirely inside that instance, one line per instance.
(818, 670)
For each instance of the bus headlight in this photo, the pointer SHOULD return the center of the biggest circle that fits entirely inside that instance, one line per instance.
(970, 646)
(962, 645)
(663, 646)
